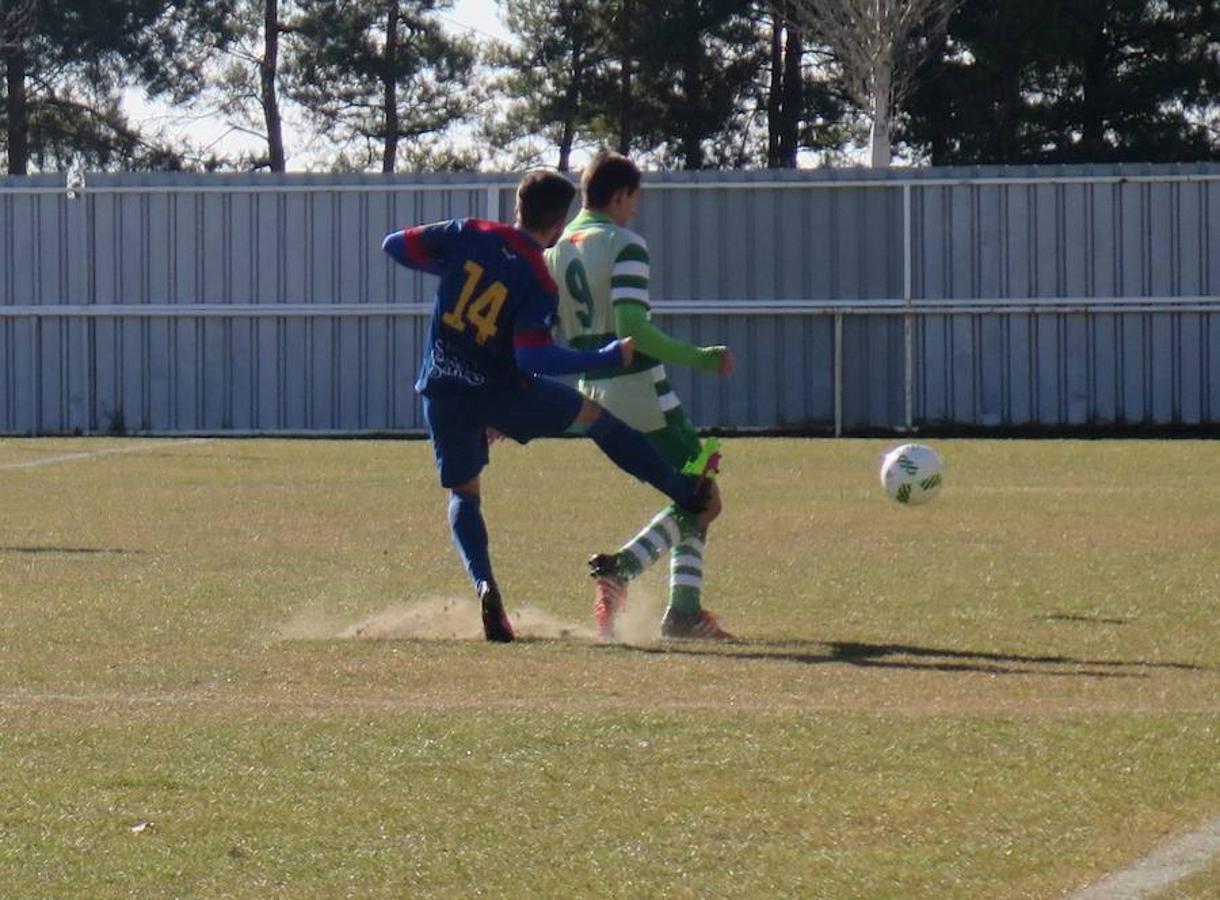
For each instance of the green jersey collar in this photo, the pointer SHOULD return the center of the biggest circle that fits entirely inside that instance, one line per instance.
(587, 217)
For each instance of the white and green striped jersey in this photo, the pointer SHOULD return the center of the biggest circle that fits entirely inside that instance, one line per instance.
(597, 265)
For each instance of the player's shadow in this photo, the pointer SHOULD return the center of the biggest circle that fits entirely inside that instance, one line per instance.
(912, 657)
(75, 550)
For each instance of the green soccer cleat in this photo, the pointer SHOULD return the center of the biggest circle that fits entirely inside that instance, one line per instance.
(707, 463)
(704, 468)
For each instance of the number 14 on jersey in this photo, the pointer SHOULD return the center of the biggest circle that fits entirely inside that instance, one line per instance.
(482, 311)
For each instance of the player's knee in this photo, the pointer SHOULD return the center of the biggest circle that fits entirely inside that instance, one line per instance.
(590, 412)
(463, 507)
(605, 424)
(589, 415)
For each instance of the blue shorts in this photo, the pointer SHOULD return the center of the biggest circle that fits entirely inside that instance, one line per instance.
(458, 422)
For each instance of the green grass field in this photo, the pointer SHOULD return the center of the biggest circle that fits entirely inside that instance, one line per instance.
(268, 650)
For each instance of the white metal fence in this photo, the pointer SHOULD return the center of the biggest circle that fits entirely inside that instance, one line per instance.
(879, 301)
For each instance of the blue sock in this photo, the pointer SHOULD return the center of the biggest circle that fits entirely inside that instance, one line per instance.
(631, 452)
(470, 535)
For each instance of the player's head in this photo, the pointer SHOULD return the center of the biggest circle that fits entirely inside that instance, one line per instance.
(610, 184)
(543, 201)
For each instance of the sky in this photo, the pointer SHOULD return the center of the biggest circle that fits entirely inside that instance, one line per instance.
(479, 18)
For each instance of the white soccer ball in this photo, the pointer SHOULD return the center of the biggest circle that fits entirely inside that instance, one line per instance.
(912, 473)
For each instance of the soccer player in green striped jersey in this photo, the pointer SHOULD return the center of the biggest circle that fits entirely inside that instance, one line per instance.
(602, 270)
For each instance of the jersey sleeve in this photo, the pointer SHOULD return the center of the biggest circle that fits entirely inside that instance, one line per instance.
(631, 320)
(629, 271)
(549, 359)
(425, 248)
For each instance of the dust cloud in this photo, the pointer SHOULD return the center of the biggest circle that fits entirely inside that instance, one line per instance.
(458, 619)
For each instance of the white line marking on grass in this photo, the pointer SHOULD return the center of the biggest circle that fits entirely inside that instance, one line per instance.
(1160, 869)
(69, 457)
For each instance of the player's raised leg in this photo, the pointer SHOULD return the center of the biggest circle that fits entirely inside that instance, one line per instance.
(631, 451)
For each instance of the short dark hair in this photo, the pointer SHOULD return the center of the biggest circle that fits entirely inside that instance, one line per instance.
(543, 199)
(606, 174)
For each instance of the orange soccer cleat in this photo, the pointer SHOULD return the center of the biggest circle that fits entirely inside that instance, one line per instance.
(693, 625)
(611, 593)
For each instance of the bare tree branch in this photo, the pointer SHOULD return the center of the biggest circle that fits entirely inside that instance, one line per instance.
(869, 39)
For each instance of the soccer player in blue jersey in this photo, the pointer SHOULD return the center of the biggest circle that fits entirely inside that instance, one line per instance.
(489, 350)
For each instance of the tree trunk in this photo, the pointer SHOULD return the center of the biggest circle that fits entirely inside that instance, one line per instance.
(1004, 143)
(793, 102)
(389, 157)
(267, 73)
(1093, 101)
(624, 87)
(565, 145)
(775, 94)
(571, 100)
(691, 137)
(936, 115)
(880, 151)
(18, 114)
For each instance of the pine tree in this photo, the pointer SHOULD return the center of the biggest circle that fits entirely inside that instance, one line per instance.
(1041, 81)
(681, 82)
(382, 79)
(246, 90)
(550, 71)
(66, 65)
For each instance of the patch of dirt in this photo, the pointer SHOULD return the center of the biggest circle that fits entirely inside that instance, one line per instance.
(450, 618)
(438, 619)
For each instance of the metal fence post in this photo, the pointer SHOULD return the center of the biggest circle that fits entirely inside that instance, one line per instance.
(908, 322)
(838, 374)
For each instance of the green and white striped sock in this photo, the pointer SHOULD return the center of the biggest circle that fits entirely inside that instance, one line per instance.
(686, 571)
(650, 544)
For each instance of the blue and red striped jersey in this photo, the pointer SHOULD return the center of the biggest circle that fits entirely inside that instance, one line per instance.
(494, 294)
